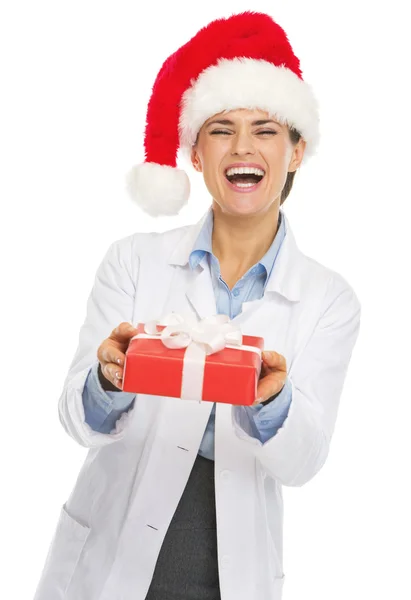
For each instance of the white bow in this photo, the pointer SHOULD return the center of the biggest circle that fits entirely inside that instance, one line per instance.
(214, 333)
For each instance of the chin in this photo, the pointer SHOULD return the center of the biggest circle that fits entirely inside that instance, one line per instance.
(243, 205)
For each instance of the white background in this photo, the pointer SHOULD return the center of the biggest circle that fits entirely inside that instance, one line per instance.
(76, 78)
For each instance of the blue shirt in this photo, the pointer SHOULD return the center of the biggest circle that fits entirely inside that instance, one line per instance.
(103, 408)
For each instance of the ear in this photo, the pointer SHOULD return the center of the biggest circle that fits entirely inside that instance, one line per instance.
(195, 159)
(297, 155)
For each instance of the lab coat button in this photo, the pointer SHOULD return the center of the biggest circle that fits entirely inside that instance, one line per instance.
(226, 562)
(225, 475)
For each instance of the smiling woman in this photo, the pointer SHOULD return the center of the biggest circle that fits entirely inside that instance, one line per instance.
(180, 496)
(294, 135)
(271, 153)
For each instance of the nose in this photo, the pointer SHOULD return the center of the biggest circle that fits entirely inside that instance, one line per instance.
(242, 143)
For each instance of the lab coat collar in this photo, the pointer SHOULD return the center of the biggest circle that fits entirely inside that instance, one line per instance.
(285, 277)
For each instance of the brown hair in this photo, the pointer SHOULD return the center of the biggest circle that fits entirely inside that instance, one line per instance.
(295, 138)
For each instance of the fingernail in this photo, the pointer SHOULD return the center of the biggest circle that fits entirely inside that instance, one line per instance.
(119, 361)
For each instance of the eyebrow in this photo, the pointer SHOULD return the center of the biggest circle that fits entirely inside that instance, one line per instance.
(228, 122)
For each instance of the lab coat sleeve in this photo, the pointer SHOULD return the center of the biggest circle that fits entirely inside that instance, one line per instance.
(102, 408)
(110, 302)
(300, 447)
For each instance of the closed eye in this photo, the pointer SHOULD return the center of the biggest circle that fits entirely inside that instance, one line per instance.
(268, 131)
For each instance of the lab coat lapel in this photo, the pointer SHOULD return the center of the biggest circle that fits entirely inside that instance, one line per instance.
(200, 293)
(199, 287)
(283, 286)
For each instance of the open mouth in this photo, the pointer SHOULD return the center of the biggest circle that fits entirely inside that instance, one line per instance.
(244, 178)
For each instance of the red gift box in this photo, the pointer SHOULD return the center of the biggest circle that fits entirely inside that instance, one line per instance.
(230, 375)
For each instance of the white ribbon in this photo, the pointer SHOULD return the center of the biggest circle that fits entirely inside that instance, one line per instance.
(200, 338)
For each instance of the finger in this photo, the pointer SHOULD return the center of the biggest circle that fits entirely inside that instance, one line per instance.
(113, 373)
(264, 370)
(274, 360)
(109, 353)
(123, 333)
(269, 386)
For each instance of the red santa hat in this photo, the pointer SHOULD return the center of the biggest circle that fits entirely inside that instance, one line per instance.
(243, 61)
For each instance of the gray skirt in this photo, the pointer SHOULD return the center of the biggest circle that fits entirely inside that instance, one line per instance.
(187, 567)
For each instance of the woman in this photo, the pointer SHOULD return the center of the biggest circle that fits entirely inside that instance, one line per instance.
(179, 499)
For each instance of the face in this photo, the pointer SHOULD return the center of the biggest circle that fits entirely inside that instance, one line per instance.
(245, 156)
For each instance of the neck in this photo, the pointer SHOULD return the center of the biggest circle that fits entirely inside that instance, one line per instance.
(240, 242)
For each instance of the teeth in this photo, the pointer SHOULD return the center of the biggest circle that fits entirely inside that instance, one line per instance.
(244, 170)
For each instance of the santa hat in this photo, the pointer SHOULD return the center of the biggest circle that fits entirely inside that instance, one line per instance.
(243, 61)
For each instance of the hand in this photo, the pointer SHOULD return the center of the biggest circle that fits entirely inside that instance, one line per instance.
(111, 355)
(272, 377)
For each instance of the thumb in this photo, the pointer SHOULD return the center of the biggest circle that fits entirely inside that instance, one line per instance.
(123, 332)
(274, 360)
(271, 358)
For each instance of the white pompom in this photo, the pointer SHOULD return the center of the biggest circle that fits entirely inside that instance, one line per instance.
(158, 189)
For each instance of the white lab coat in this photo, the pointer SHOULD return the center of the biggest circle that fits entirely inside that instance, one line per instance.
(112, 526)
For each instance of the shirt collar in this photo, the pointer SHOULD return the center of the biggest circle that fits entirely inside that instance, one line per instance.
(203, 243)
(290, 263)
